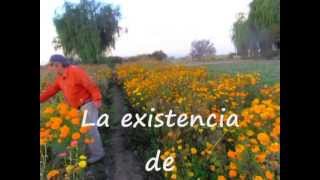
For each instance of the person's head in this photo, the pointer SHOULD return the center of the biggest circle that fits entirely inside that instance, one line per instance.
(58, 63)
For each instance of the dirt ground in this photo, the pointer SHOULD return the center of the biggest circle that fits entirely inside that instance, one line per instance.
(121, 162)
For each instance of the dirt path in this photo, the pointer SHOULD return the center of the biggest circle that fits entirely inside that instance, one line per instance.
(121, 161)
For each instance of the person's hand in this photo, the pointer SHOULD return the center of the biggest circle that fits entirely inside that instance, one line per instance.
(98, 104)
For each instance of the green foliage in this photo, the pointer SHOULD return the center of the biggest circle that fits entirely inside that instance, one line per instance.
(260, 30)
(87, 29)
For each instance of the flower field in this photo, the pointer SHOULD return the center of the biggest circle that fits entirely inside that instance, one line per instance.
(62, 139)
(251, 151)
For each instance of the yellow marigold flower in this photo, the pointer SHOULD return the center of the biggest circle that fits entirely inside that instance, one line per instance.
(257, 178)
(69, 169)
(83, 157)
(263, 138)
(239, 148)
(190, 174)
(179, 147)
(250, 133)
(193, 151)
(253, 141)
(233, 166)
(82, 164)
(52, 173)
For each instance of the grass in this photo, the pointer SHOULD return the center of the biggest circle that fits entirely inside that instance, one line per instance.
(270, 71)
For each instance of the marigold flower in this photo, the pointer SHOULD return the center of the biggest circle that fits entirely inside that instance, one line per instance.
(84, 130)
(82, 164)
(55, 122)
(269, 175)
(274, 147)
(69, 169)
(221, 178)
(239, 148)
(261, 157)
(193, 151)
(52, 173)
(75, 121)
(48, 110)
(232, 154)
(83, 157)
(76, 136)
(257, 178)
(263, 138)
(64, 131)
(73, 113)
(233, 173)
(233, 166)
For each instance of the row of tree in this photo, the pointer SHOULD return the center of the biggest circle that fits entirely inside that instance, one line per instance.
(259, 33)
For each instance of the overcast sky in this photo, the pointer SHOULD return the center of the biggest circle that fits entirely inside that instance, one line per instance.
(168, 25)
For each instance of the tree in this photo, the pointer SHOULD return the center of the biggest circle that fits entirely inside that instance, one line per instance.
(202, 48)
(260, 30)
(240, 35)
(87, 29)
(159, 55)
(264, 16)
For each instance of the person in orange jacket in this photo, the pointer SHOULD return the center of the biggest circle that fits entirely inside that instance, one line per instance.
(80, 92)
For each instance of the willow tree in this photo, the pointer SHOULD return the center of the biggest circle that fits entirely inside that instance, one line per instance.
(264, 16)
(260, 30)
(87, 29)
(240, 35)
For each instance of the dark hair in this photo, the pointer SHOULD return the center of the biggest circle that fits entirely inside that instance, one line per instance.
(57, 58)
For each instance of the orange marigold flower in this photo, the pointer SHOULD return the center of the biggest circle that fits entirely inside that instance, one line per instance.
(76, 136)
(257, 178)
(84, 130)
(269, 175)
(274, 147)
(73, 113)
(64, 131)
(52, 173)
(75, 121)
(261, 157)
(55, 122)
(263, 138)
(221, 178)
(239, 148)
(233, 173)
(88, 140)
(48, 110)
(255, 149)
(232, 154)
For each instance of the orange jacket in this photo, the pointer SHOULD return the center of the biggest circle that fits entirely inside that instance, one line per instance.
(76, 85)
